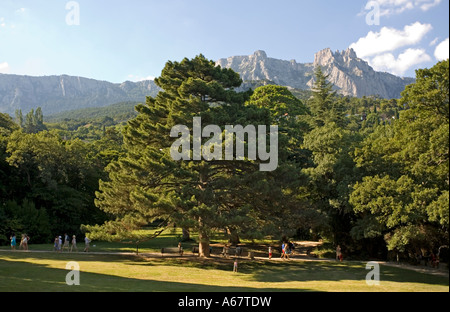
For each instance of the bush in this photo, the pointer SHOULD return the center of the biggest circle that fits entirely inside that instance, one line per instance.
(25, 218)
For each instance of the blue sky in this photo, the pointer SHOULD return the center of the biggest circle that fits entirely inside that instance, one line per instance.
(118, 40)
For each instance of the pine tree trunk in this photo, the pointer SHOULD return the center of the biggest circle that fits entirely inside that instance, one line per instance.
(186, 235)
(203, 248)
(233, 237)
(203, 245)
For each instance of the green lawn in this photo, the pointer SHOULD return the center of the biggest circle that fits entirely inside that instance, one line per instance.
(39, 271)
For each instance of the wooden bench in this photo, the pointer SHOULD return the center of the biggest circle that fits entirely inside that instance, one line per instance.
(227, 252)
(172, 250)
(195, 250)
(232, 251)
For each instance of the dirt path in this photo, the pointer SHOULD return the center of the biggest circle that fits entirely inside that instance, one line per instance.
(441, 271)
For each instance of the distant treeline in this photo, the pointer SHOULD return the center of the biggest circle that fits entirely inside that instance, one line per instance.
(117, 112)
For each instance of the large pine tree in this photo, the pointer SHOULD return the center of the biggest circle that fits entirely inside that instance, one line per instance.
(148, 184)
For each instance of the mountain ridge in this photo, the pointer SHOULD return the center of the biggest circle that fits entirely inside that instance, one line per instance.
(57, 93)
(351, 76)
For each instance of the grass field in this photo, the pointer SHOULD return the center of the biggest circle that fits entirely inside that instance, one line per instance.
(46, 271)
(103, 270)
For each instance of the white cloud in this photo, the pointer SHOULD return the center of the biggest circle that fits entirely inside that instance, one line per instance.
(4, 68)
(394, 7)
(432, 43)
(398, 66)
(442, 50)
(390, 39)
(428, 4)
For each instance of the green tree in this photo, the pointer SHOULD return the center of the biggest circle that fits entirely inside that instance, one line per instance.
(19, 118)
(330, 174)
(56, 176)
(331, 169)
(291, 116)
(25, 218)
(34, 121)
(147, 184)
(291, 210)
(324, 104)
(405, 189)
(7, 224)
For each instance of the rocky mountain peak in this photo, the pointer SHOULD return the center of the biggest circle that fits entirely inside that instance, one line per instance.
(260, 54)
(323, 57)
(327, 57)
(349, 74)
(355, 77)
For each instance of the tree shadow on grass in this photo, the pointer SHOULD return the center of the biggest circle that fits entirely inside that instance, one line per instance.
(302, 271)
(21, 276)
(335, 271)
(69, 256)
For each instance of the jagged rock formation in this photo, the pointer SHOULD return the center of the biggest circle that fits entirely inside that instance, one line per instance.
(61, 93)
(350, 74)
(260, 67)
(353, 76)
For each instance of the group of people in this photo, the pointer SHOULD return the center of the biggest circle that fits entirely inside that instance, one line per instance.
(23, 242)
(58, 243)
(430, 259)
(59, 246)
(287, 249)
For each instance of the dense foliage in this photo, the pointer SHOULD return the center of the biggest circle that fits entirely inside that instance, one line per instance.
(369, 174)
